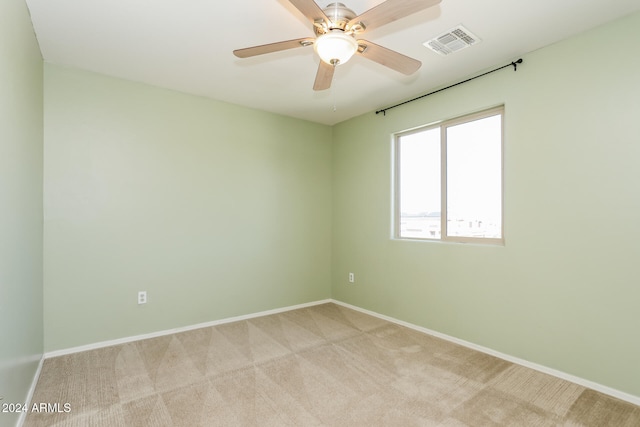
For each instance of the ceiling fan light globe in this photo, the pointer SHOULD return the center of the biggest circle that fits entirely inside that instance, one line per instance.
(335, 47)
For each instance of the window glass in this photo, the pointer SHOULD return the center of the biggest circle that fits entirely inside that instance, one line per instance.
(420, 184)
(474, 177)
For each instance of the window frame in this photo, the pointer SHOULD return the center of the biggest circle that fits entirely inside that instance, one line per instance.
(443, 126)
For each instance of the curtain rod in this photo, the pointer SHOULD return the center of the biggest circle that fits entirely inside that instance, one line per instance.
(512, 64)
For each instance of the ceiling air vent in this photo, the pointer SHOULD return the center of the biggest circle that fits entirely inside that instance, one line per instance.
(452, 41)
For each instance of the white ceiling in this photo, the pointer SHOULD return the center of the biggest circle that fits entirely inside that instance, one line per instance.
(187, 45)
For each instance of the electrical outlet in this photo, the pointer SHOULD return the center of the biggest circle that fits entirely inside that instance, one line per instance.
(142, 297)
(352, 278)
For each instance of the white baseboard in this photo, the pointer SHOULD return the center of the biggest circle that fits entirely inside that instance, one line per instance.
(32, 389)
(544, 369)
(125, 340)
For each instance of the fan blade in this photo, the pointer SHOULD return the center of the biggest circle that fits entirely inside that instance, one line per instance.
(387, 57)
(324, 76)
(310, 9)
(272, 47)
(389, 11)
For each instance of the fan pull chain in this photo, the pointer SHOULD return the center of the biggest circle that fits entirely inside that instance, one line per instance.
(333, 90)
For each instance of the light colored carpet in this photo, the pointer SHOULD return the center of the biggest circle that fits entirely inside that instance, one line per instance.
(320, 366)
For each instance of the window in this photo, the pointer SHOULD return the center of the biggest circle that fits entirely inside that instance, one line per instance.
(448, 180)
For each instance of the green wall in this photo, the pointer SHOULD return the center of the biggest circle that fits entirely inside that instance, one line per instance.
(563, 291)
(21, 328)
(215, 210)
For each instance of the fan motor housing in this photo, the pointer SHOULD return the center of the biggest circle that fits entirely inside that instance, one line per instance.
(339, 16)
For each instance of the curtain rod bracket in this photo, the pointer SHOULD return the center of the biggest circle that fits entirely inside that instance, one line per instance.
(515, 64)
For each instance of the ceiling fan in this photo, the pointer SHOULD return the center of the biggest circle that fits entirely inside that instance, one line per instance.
(336, 28)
